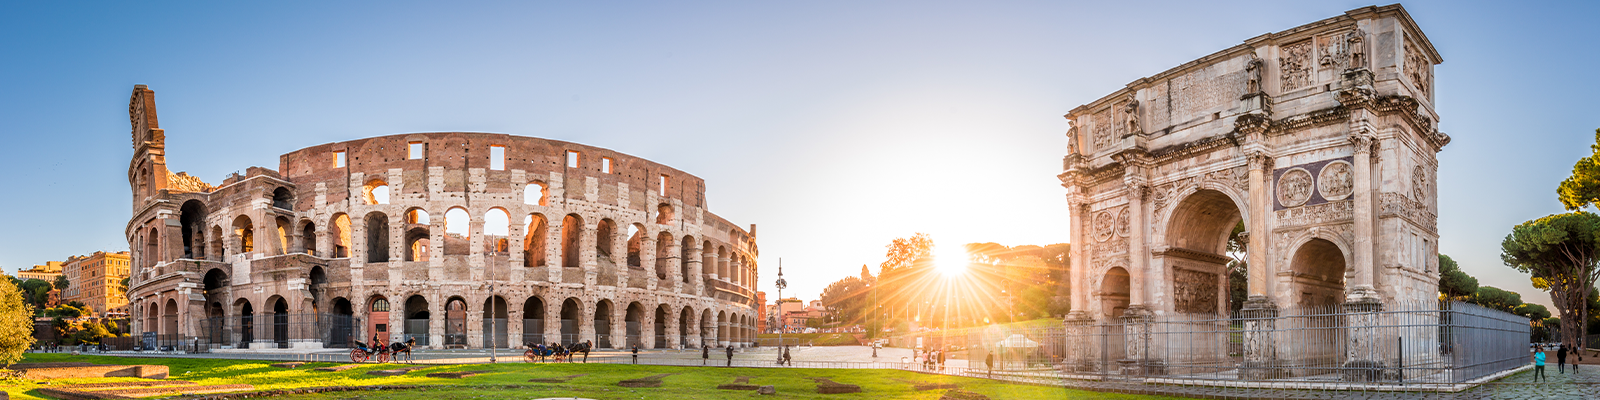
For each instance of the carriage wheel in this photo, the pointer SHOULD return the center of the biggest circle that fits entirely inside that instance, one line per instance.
(383, 358)
(358, 356)
(529, 354)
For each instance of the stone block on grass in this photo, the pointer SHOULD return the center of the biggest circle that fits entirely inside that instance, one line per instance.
(648, 381)
(828, 386)
(739, 383)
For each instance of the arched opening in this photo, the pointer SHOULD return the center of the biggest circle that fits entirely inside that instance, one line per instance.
(342, 326)
(1114, 291)
(308, 238)
(685, 250)
(417, 243)
(1198, 236)
(282, 198)
(722, 263)
(722, 328)
(533, 249)
(169, 321)
(193, 217)
(375, 192)
(284, 228)
(635, 244)
(214, 248)
(152, 319)
(1318, 268)
(340, 231)
(660, 326)
(417, 316)
(215, 332)
(708, 260)
(247, 323)
(571, 237)
(685, 318)
(708, 329)
(664, 214)
(664, 258)
(604, 239)
(246, 232)
(635, 330)
(457, 232)
(280, 323)
(533, 321)
(602, 324)
(152, 248)
(571, 313)
(496, 228)
(377, 237)
(495, 323)
(318, 286)
(536, 194)
(455, 323)
(378, 320)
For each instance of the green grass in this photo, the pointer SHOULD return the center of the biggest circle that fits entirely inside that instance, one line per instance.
(689, 383)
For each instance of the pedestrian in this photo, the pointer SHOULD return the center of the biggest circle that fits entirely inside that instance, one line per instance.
(705, 354)
(941, 360)
(1561, 358)
(730, 355)
(635, 353)
(786, 360)
(1538, 364)
(989, 361)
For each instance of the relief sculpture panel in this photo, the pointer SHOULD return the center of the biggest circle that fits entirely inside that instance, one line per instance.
(1194, 292)
(1294, 187)
(1294, 66)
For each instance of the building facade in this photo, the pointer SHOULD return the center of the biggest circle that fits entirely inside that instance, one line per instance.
(452, 239)
(1321, 141)
(46, 272)
(96, 281)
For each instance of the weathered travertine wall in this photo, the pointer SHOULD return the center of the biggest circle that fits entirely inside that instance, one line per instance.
(362, 228)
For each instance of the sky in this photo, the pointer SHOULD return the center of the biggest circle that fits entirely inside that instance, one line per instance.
(833, 126)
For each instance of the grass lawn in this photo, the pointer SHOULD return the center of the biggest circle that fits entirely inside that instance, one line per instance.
(599, 383)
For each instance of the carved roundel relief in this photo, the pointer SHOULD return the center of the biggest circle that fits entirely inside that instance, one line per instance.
(1419, 184)
(1122, 222)
(1104, 226)
(1336, 181)
(1294, 187)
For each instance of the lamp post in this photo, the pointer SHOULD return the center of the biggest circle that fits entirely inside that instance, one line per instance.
(781, 284)
(493, 325)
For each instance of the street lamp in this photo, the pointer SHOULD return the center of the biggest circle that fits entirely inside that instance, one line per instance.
(493, 325)
(781, 284)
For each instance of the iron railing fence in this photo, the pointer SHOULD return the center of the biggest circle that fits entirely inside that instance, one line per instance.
(1366, 344)
(271, 330)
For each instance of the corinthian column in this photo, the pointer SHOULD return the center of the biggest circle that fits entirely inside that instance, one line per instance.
(1260, 204)
(1363, 283)
(1138, 256)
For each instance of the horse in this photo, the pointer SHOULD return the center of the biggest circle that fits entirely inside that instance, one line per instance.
(398, 349)
(575, 348)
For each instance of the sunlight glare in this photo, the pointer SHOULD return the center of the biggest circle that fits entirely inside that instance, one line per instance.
(951, 262)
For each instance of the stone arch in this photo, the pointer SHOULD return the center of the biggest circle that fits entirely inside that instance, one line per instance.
(722, 262)
(496, 323)
(377, 226)
(686, 325)
(416, 315)
(284, 230)
(375, 192)
(604, 246)
(603, 323)
(246, 232)
(664, 214)
(339, 234)
(533, 240)
(1114, 292)
(571, 241)
(280, 321)
(192, 217)
(455, 322)
(663, 315)
(1319, 265)
(169, 319)
(496, 231)
(1195, 237)
(417, 226)
(247, 321)
(214, 247)
(635, 325)
(457, 232)
(722, 328)
(571, 315)
(343, 324)
(533, 317)
(378, 307)
(283, 198)
(536, 193)
(308, 237)
(636, 238)
(664, 258)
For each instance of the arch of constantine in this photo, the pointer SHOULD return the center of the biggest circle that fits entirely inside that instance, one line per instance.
(1320, 140)
(452, 239)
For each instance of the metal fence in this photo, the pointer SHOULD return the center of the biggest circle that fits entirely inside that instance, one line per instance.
(1333, 346)
(274, 331)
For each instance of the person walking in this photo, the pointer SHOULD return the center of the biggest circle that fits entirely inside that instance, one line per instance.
(1538, 364)
(786, 359)
(705, 354)
(941, 359)
(988, 360)
(730, 355)
(1561, 358)
(635, 353)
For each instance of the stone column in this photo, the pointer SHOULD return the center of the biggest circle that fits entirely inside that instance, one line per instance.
(475, 245)
(1138, 256)
(513, 326)
(1259, 312)
(552, 324)
(474, 329)
(1363, 282)
(675, 265)
(436, 235)
(647, 329)
(671, 326)
(1080, 322)
(696, 280)
(553, 249)
(587, 253)
(647, 260)
(586, 323)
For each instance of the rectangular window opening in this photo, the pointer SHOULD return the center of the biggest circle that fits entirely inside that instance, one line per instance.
(662, 189)
(572, 159)
(497, 158)
(416, 150)
(605, 165)
(338, 159)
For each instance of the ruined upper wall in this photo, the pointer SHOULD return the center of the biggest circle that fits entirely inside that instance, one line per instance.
(1299, 70)
(460, 153)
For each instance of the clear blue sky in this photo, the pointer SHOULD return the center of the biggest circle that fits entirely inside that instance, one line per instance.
(835, 126)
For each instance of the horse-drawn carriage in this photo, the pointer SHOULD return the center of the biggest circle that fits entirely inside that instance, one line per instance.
(538, 352)
(395, 351)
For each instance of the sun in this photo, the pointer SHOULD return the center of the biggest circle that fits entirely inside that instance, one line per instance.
(951, 262)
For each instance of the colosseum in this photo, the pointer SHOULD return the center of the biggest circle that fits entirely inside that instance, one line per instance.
(457, 240)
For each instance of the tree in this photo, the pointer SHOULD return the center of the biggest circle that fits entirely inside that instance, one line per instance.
(903, 252)
(1583, 187)
(1238, 269)
(16, 324)
(847, 298)
(1453, 283)
(1563, 250)
(1496, 298)
(62, 283)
